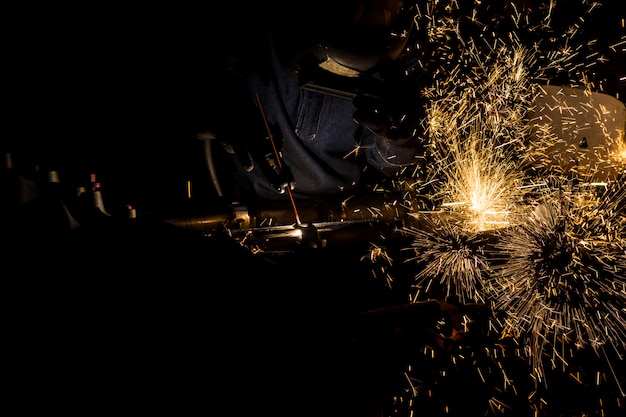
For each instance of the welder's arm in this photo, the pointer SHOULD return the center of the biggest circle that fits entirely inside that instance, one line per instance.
(389, 103)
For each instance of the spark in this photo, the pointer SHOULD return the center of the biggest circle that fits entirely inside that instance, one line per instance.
(521, 217)
(451, 262)
(478, 122)
(562, 279)
(577, 114)
(381, 262)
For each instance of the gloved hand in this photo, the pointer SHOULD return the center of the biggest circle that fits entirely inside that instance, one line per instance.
(253, 151)
(234, 123)
(265, 153)
(388, 102)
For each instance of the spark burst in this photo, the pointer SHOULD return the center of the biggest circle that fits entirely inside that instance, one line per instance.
(478, 128)
(451, 262)
(562, 285)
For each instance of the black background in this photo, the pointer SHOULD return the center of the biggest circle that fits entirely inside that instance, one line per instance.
(116, 89)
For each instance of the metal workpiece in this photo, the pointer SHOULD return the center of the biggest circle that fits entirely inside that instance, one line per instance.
(316, 235)
(376, 206)
(276, 226)
(199, 223)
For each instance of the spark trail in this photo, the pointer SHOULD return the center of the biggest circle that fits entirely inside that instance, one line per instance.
(562, 286)
(452, 263)
(498, 166)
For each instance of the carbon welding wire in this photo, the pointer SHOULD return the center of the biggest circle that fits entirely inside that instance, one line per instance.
(278, 160)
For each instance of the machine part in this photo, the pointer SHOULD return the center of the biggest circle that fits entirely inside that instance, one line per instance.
(590, 128)
(207, 139)
(241, 217)
(207, 143)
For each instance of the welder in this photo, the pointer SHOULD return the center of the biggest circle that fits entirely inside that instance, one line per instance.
(315, 102)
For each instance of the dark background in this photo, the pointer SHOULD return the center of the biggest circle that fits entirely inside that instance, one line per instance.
(91, 67)
(115, 88)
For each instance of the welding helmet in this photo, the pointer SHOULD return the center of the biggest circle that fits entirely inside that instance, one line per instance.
(322, 43)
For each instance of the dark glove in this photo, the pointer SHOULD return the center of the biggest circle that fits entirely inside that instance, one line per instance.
(388, 102)
(232, 121)
(264, 150)
(255, 151)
